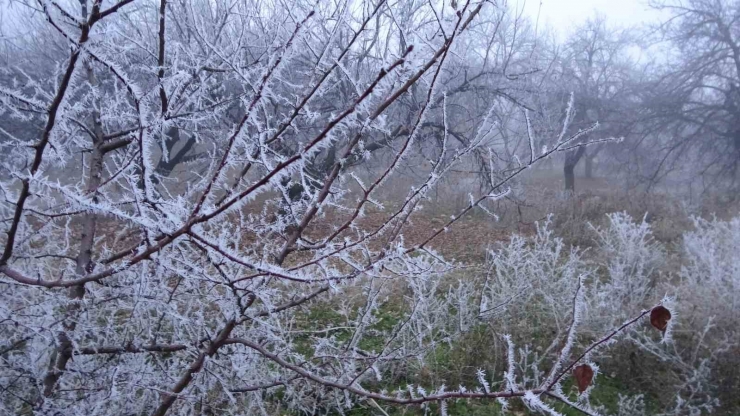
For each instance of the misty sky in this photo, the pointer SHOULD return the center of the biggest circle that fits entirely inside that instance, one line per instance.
(564, 14)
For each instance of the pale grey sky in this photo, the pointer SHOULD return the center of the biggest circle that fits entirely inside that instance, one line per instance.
(563, 15)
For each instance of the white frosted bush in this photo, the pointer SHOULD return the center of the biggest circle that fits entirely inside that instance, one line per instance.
(710, 276)
(706, 314)
(531, 276)
(629, 258)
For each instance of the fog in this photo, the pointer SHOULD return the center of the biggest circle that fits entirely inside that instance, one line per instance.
(563, 15)
(369, 207)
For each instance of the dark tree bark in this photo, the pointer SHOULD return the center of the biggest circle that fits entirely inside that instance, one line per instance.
(165, 167)
(84, 264)
(571, 160)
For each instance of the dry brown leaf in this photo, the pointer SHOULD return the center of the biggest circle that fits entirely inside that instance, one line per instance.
(659, 317)
(583, 375)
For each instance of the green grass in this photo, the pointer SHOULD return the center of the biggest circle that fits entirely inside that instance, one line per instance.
(452, 364)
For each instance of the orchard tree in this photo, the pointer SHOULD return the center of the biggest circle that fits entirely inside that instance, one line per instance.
(695, 97)
(598, 71)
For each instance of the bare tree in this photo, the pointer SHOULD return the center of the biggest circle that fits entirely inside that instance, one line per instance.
(695, 95)
(598, 71)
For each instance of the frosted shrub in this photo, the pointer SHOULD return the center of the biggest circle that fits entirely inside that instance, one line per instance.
(629, 259)
(706, 290)
(528, 282)
(710, 275)
(631, 405)
(685, 362)
(531, 278)
(627, 406)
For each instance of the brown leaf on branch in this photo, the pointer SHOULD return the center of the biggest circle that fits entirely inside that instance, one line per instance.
(583, 374)
(659, 317)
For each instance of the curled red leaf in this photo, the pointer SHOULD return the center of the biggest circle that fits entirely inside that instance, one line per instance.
(583, 374)
(659, 317)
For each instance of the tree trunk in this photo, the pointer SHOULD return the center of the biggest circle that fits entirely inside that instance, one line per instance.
(64, 349)
(571, 160)
(570, 178)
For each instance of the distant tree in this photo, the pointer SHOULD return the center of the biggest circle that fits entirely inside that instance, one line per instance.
(694, 98)
(596, 67)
